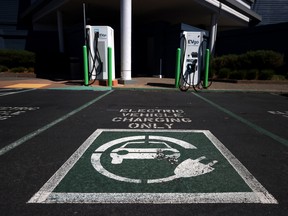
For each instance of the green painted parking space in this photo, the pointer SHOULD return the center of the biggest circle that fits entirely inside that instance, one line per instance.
(152, 166)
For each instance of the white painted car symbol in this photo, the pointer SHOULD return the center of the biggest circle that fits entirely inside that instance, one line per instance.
(131, 150)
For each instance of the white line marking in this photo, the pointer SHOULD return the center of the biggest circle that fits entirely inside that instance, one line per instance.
(6, 89)
(250, 180)
(22, 140)
(156, 198)
(16, 92)
(51, 184)
(259, 194)
(95, 159)
(246, 122)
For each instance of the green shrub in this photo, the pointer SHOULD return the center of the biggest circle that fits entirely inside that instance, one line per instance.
(31, 69)
(17, 58)
(251, 74)
(238, 75)
(224, 73)
(278, 77)
(226, 61)
(266, 74)
(3, 68)
(244, 62)
(252, 62)
(230, 61)
(215, 65)
(18, 69)
(265, 59)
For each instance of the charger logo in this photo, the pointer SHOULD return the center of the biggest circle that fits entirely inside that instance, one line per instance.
(101, 35)
(193, 42)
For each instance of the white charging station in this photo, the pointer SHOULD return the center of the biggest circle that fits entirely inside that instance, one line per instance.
(99, 39)
(192, 57)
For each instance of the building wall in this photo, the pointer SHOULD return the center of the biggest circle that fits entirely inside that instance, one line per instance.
(270, 34)
(266, 37)
(151, 44)
(12, 36)
(272, 12)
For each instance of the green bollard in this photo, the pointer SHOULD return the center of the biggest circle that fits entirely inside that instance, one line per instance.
(207, 63)
(109, 66)
(85, 57)
(178, 67)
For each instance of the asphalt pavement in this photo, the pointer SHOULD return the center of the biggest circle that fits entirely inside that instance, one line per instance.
(20, 80)
(150, 150)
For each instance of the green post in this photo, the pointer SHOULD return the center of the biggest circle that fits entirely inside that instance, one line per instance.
(109, 66)
(178, 67)
(85, 57)
(207, 63)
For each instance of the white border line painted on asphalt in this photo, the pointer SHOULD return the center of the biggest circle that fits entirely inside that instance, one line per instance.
(24, 139)
(155, 198)
(246, 122)
(15, 92)
(250, 180)
(6, 89)
(259, 194)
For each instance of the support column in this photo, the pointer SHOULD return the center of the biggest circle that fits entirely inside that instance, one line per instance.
(126, 39)
(60, 31)
(213, 33)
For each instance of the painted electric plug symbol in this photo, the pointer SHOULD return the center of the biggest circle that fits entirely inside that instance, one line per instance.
(187, 169)
(191, 168)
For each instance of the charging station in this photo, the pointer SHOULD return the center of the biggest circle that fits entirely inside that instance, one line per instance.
(193, 44)
(99, 38)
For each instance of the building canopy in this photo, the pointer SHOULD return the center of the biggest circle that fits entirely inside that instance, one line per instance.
(231, 13)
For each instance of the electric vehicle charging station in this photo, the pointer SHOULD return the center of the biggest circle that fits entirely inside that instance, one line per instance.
(193, 44)
(99, 38)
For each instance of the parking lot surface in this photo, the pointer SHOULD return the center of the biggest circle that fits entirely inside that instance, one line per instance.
(143, 152)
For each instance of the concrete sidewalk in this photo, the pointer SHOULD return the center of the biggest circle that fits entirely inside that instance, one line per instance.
(30, 81)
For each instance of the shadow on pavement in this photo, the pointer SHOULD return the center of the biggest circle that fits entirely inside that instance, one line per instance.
(164, 85)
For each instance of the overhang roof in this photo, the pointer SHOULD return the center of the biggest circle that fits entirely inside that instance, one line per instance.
(244, 10)
(193, 12)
